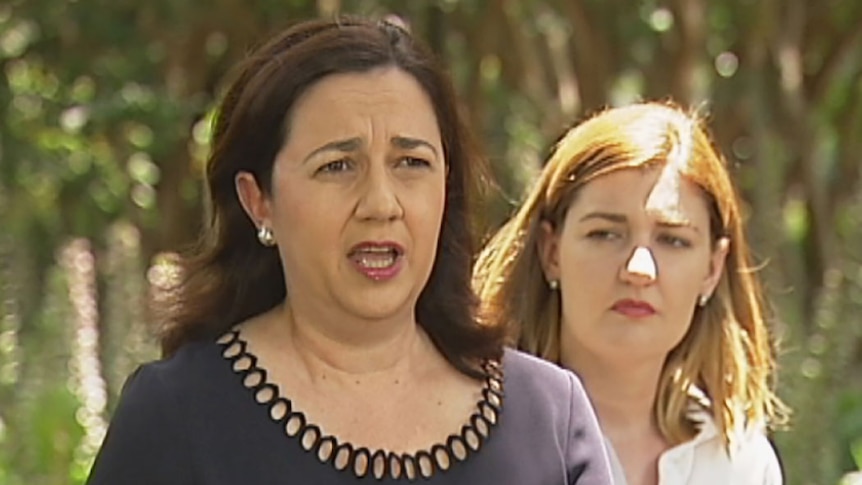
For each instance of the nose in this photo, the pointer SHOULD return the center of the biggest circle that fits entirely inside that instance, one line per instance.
(640, 268)
(378, 200)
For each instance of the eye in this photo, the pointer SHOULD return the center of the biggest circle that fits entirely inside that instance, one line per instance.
(674, 241)
(414, 162)
(335, 166)
(603, 235)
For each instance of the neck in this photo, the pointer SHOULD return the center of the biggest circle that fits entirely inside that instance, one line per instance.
(352, 348)
(623, 394)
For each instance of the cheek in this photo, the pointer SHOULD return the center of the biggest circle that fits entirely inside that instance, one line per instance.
(291, 212)
(437, 202)
(308, 221)
(424, 204)
(681, 281)
(688, 268)
(579, 262)
(587, 277)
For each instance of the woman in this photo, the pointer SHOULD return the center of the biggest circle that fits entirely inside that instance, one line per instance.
(324, 333)
(628, 264)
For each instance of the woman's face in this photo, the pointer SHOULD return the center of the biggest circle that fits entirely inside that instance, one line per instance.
(633, 256)
(358, 192)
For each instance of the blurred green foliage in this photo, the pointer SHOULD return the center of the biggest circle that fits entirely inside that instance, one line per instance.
(105, 108)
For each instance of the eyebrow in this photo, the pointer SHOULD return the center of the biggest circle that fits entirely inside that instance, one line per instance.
(347, 145)
(674, 221)
(353, 144)
(678, 223)
(621, 219)
(407, 143)
(606, 216)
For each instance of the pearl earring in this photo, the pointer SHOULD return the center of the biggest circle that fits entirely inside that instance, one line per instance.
(554, 285)
(265, 236)
(703, 300)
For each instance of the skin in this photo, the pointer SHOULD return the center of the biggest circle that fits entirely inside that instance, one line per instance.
(363, 162)
(360, 166)
(652, 245)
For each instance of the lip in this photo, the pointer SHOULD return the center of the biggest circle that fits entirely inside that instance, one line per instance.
(382, 273)
(633, 308)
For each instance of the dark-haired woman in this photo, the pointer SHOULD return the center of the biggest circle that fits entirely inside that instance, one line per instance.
(325, 333)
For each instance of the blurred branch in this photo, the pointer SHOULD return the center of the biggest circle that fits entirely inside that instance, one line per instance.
(849, 168)
(799, 134)
(843, 50)
(530, 75)
(689, 50)
(593, 54)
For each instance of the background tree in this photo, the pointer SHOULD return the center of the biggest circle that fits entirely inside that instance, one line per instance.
(105, 111)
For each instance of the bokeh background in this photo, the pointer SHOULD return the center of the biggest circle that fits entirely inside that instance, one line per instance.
(106, 105)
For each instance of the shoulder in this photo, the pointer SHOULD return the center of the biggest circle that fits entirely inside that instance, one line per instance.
(754, 455)
(155, 392)
(191, 365)
(538, 375)
(552, 403)
(147, 439)
(557, 391)
(156, 387)
(751, 458)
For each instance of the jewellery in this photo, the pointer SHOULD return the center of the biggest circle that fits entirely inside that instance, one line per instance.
(265, 236)
(703, 300)
(554, 285)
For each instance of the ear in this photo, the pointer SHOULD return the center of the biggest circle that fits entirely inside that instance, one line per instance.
(254, 201)
(716, 266)
(548, 247)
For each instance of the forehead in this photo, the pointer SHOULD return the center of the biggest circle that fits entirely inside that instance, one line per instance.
(347, 98)
(662, 192)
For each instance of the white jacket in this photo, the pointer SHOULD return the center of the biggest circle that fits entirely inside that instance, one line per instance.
(704, 460)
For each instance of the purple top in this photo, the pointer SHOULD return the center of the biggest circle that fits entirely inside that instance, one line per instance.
(201, 418)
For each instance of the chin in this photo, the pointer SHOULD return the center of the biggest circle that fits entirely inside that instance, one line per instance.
(381, 300)
(381, 307)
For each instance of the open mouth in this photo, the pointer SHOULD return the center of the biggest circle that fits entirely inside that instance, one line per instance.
(375, 257)
(377, 260)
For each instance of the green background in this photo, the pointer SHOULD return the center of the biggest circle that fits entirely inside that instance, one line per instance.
(105, 108)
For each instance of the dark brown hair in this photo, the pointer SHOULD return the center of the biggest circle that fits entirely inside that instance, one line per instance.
(230, 276)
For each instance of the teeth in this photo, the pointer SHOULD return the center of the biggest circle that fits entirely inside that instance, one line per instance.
(375, 257)
(378, 250)
(377, 263)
